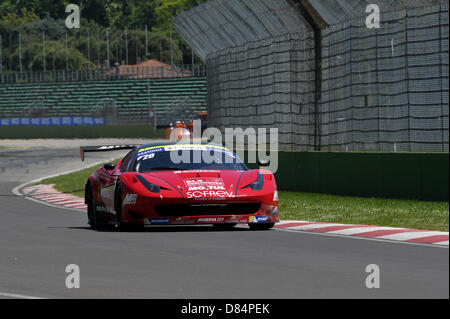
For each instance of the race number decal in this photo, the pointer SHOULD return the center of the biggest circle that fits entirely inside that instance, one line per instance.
(146, 157)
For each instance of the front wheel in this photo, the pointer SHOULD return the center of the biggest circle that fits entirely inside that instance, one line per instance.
(261, 226)
(91, 211)
(118, 207)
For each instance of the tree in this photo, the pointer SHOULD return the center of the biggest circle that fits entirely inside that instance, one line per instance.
(21, 18)
(32, 18)
(166, 9)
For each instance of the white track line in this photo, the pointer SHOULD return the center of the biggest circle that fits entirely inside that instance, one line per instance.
(290, 221)
(313, 226)
(62, 201)
(54, 205)
(362, 238)
(357, 230)
(16, 189)
(46, 197)
(412, 235)
(17, 296)
(75, 204)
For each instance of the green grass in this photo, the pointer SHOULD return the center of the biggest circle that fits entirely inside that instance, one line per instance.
(72, 183)
(369, 211)
(80, 131)
(323, 207)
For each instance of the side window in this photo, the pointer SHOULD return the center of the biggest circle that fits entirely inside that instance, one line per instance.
(128, 159)
(130, 165)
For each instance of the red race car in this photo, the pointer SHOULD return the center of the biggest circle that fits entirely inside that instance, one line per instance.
(180, 184)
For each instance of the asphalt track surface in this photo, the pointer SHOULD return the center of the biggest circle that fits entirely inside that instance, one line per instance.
(37, 242)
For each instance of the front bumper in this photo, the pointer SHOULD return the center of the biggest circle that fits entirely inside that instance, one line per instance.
(148, 213)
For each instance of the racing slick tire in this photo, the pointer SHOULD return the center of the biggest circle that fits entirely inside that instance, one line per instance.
(91, 211)
(118, 207)
(224, 226)
(261, 226)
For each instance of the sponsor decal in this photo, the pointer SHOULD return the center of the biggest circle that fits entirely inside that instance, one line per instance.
(77, 120)
(183, 147)
(257, 219)
(99, 120)
(130, 199)
(194, 147)
(45, 121)
(25, 121)
(66, 120)
(210, 219)
(183, 220)
(159, 221)
(198, 171)
(35, 121)
(112, 147)
(156, 221)
(206, 187)
(237, 219)
(55, 121)
(88, 120)
(204, 184)
(149, 151)
(211, 194)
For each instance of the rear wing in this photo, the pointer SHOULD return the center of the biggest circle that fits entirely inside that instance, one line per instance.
(105, 148)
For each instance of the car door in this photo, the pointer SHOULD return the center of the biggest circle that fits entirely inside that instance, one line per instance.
(108, 179)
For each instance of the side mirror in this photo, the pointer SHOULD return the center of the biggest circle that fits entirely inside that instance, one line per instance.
(263, 163)
(109, 166)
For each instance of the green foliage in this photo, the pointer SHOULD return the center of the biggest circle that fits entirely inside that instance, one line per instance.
(166, 9)
(73, 183)
(23, 17)
(41, 8)
(32, 18)
(54, 29)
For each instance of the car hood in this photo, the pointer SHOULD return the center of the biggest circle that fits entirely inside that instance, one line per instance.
(214, 184)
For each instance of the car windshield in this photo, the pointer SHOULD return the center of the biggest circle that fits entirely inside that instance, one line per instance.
(175, 158)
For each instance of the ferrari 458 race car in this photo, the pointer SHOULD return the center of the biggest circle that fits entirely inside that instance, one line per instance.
(180, 184)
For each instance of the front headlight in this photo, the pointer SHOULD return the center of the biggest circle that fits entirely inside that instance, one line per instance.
(258, 184)
(151, 187)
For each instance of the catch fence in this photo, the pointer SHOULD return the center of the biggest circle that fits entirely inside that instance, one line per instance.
(366, 89)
